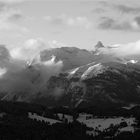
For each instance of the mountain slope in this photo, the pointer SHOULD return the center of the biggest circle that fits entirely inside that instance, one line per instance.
(95, 85)
(72, 57)
(88, 78)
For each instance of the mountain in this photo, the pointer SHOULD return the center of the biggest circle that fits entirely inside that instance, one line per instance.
(88, 78)
(95, 84)
(72, 57)
(4, 55)
(98, 46)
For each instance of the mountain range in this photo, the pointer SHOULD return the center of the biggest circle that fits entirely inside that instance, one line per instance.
(87, 78)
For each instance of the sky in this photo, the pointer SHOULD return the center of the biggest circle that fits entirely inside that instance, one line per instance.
(78, 23)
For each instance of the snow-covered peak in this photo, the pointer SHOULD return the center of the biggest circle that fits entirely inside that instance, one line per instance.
(99, 45)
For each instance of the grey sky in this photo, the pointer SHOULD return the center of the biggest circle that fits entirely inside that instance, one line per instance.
(78, 23)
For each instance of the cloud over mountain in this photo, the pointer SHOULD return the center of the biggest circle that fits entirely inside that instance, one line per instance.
(29, 50)
(27, 80)
(127, 49)
(122, 50)
(18, 78)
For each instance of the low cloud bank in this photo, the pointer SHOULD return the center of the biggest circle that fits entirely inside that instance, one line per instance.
(24, 75)
(122, 50)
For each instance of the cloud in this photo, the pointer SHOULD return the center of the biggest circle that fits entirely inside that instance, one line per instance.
(9, 18)
(56, 44)
(108, 23)
(7, 23)
(29, 50)
(69, 21)
(5, 26)
(127, 9)
(15, 17)
(137, 20)
(120, 6)
(98, 10)
(128, 49)
(24, 81)
(122, 50)
(12, 1)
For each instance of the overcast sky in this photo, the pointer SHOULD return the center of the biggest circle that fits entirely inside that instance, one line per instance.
(69, 22)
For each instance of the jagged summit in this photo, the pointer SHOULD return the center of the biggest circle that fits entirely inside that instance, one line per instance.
(99, 45)
(4, 53)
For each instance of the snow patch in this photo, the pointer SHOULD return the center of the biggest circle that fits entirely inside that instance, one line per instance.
(2, 72)
(35, 116)
(93, 70)
(127, 129)
(131, 61)
(73, 72)
(103, 123)
(130, 106)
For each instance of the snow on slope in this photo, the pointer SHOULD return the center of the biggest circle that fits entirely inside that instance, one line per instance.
(93, 70)
(132, 61)
(71, 73)
(34, 116)
(104, 123)
(87, 71)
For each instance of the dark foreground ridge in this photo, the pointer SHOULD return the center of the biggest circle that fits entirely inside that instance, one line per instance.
(17, 122)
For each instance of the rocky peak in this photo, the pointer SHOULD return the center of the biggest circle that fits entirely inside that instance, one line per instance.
(99, 45)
